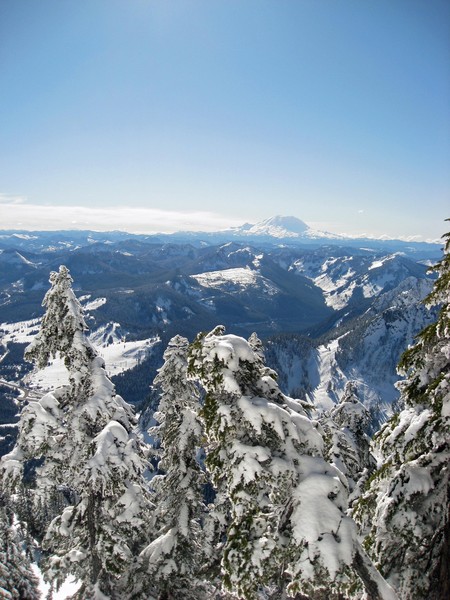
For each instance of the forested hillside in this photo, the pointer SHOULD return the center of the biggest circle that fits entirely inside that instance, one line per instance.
(354, 306)
(237, 490)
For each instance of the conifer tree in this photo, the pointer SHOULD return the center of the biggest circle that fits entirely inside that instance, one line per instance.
(347, 444)
(16, 575)
(175, 558)
(286, 517)
(83, 434)
(405, 512)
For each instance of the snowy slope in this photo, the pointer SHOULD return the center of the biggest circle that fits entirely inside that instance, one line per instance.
(13, 257)
(119, 356)
(349, 278)
(22, 332)
(367, 351)
(110, 341)
(370, 351)
(236, 280)
(282, 227)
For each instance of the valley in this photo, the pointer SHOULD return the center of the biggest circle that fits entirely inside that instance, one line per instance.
(328, 311)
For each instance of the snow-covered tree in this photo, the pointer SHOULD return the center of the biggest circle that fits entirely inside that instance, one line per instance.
(405, 512)
(63, 326)
(347, 445)
(83, 434)
(16, 576)
(175, 558)
(285, 515)
(235, 459)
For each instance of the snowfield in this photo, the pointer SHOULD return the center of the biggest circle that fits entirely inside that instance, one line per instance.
(21, 332)
(235, 280)
(119, 355)
(94, 304)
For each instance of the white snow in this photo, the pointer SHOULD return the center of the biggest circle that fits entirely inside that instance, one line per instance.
(249, 462)
(160, 547)
(119, 356)
(122, 356)
(319, 521)
(107, 334)
(23, 236)
(109, 454)
(376, 264)
(373, 287)
(21, 332)
(284, 227)
(420, 481)
(68, 588)
(337, 285)
(162, 306)
(340, 277)
(25, 260)
(279, 226)
(257, 260)
(410, 422)
(324, 395)
(94, 304)
(238, 279)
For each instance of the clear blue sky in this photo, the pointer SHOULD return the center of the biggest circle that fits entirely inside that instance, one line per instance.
(335, 111)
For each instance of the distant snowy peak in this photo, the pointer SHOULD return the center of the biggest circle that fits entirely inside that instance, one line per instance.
(283, 228)
(279, 226)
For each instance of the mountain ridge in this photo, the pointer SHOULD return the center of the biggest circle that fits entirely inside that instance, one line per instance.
(274, 231)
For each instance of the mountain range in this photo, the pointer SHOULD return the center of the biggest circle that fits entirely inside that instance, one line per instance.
(329, 309)
(275, 230)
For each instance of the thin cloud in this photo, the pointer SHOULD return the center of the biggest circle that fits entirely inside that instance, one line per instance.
(341, 229)
(13, 199)
(18, 214)
(22, 215)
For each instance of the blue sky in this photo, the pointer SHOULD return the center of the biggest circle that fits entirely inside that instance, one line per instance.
(209, 113)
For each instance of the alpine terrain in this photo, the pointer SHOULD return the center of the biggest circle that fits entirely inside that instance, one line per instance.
(259, 413)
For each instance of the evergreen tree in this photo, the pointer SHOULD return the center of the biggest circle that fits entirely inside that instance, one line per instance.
(405, 512)
(16, 575)
(347, 445)
(286, 517)
(83, 435)
(63, 327)
(175, 558)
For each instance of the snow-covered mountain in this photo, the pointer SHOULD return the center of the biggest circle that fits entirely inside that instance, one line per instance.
(365, 350)
(138, 288)
(284, 228)
(346, 278)
(270, 232)
(154, 288)
(236, 280)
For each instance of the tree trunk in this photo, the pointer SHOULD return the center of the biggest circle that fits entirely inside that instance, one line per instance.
(96, 565)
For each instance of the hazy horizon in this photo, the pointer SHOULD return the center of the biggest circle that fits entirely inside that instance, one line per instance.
(159, 222)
